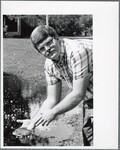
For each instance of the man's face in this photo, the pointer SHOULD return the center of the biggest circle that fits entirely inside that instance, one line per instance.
(50, 48)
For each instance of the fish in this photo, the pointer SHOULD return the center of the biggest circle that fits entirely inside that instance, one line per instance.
(21, 132)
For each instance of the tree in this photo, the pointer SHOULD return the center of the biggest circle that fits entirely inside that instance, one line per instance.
(71, 25)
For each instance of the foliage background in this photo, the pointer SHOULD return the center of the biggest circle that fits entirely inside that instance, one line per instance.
(65, 25)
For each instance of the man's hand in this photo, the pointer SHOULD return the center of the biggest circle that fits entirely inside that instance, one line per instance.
(24, 130)
(27, 123)
(46, 117)
(43, 118)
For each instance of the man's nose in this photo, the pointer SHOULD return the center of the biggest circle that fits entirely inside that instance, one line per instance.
(47, 48)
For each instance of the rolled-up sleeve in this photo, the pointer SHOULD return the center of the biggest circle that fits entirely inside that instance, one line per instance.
(81, 61)
(50, 74)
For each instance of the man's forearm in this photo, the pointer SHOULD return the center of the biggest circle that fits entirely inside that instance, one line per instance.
(47, 104)
(74, 97)
(68, 103)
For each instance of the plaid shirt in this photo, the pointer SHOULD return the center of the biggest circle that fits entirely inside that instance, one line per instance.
(75, 62)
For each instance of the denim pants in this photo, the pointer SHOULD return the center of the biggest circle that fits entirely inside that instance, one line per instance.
(87, 129)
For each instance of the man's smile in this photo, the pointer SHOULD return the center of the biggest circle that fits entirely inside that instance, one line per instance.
(52, 52)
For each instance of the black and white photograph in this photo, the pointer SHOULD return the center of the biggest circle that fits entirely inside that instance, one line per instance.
(42, 95)
(55, 81)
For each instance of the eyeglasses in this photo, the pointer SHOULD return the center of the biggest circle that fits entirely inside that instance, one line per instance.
(46, 44)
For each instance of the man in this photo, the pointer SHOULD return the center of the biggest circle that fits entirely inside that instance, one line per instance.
(69, 60)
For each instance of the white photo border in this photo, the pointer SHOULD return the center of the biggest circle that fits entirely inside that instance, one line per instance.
(105, 56)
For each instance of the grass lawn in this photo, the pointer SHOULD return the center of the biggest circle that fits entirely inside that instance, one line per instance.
(20, 58)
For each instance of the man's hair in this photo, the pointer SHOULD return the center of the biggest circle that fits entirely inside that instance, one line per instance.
(41, 32)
